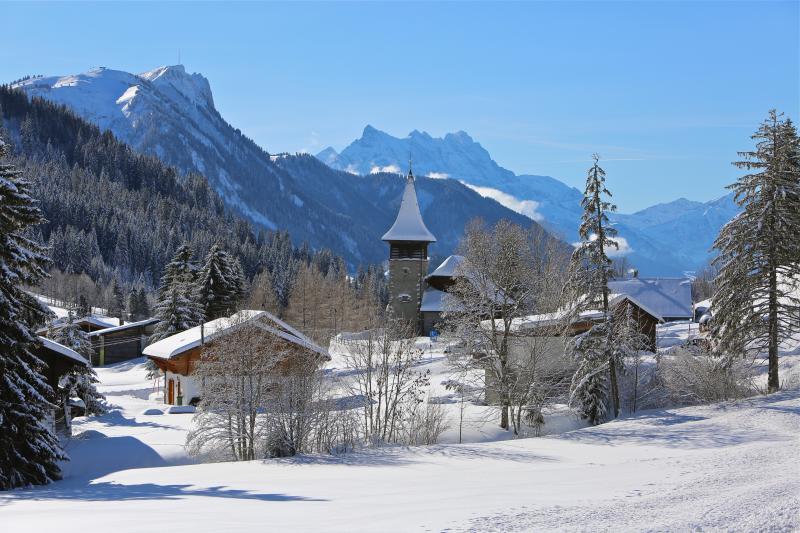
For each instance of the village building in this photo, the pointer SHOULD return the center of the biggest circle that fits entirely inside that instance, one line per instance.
(544, 337)
(59, 361)
(670, 298)
(408, 240)
(121, 343)
(177, 356)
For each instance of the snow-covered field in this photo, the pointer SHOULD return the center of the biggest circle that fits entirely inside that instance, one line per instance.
(733, 466)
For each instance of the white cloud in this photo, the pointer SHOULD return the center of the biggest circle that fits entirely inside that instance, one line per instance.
(438, 175)
(393, 169)
(523, 207)
(351, 168)
(624, 247)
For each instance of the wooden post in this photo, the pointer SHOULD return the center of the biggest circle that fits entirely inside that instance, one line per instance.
(102, 358)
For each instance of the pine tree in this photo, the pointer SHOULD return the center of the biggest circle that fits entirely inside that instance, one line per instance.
(177, 308)
(132, 305)
(590, 271)
(81, 380)
(116, 306)
(29, 451)
(215, 292)
(142, 306)
(759, 250)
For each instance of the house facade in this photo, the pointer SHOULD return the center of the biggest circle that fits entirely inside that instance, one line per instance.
(121, 343)
(177, 356)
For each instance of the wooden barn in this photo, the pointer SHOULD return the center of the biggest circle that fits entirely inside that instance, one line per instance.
(121, 343)
(59, 360)
(178, 355)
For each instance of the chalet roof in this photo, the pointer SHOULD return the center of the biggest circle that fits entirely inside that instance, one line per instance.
(128, 325)
(665, 297)
(62, 350)
(448, 267)
(551, 319)
(184, 341)
(432, 300)
(409, 225)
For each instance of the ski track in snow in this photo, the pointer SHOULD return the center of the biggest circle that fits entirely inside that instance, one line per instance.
(725, 467)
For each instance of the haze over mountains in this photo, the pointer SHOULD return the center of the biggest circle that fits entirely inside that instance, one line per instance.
(664, 239)
(170, 113)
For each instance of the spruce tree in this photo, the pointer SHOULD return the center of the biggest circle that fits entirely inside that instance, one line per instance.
(755, 307)
(590, 271)
(116, 307)
(215, 292)
(143, 306)
(29, 450)
(177, 308)
(132, 305)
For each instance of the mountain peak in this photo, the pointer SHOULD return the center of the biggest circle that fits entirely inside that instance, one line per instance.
(193, 87)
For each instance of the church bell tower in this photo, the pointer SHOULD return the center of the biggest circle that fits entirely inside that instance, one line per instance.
(408, 240)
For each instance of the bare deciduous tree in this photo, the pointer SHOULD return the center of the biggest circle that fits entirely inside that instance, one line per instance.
(385, 378)
(507, 273)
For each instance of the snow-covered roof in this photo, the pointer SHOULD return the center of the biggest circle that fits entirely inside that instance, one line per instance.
(665, 297)
(448, 267)
(432, 300)
(550, 319)
(409, 225)
(127, 325)
(69, 353)
(179, 343)
(102, 322)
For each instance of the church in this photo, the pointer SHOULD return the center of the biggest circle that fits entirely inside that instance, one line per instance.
(413, 294)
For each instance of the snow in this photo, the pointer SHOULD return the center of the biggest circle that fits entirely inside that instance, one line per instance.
(432, 300)
(179, 343)
(63, 350)
(665, 297)
(409, 225)
(127, 325)
(186, 340)
(448, 267)
(730, 466)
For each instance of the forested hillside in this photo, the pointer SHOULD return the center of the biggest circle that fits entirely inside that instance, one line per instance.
(112, 212)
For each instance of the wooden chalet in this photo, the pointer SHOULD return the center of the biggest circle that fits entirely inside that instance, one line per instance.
(121, 343)
(177, 356)
(58, 360)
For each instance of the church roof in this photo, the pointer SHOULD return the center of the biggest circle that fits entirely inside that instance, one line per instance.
(448, 267)
(409, 225)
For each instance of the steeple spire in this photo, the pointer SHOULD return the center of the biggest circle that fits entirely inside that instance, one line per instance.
(409, 225)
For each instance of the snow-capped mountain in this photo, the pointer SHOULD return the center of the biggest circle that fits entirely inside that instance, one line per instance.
(170, 114)
(665, 239)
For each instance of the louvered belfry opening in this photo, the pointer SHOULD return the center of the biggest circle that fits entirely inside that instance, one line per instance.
(408, 250)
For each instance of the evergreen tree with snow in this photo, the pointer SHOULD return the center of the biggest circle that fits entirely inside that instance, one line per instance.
(29, 450)
(177, 308)
(755, 303)
(142, 306)
(116, 305)
(181, 270)
(132, 305)
(590, 271)
(81, 380)
(216, 291)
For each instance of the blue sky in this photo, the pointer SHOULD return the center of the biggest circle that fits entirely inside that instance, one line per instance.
(666, 92)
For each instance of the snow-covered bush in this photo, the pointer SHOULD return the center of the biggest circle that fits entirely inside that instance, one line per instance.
(425, 423)
(691, 376)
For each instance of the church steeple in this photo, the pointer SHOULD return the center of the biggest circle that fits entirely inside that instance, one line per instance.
(408, 240)
(409, 226)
